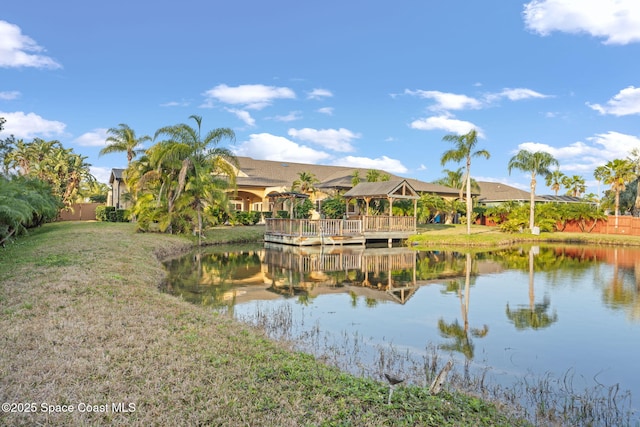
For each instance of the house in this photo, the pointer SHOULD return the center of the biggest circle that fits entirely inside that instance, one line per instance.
(116, 196)
(256, 179)
(495, 193)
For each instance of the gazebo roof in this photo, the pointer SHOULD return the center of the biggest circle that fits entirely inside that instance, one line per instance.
(398, 189)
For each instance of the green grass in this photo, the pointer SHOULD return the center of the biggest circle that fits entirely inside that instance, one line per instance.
(82, 321)
(438, 236)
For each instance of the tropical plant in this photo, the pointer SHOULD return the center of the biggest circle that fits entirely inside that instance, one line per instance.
(536, 163)
(123, 139)
(306, 183)
(180, 176)
(575, 185)
(455, 179)
(355, 178)
(464, 150)
(24, 203)
(554, 180)
(429, 206)
(635, 159)
(65, 171)
(617, 173)
(334, 207)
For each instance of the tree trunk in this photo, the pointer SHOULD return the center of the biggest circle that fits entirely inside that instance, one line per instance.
(469, 206)
(532, 207)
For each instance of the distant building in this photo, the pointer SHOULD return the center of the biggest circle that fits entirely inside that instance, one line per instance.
(495, 193)
(116, 196)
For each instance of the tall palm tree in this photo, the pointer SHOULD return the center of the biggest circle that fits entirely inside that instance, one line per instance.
(554, 180)
(123, 139)
(617, 173)
(183, 152)
(537, 163)
(575, 185)
(464, 146)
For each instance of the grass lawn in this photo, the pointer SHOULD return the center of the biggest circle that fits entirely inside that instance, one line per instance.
(434, 236)
(85, 329)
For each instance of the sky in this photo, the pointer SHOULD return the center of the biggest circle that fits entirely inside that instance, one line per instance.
(371, 84)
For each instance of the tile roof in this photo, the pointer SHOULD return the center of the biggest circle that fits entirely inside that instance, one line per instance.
(381, 188)
(276, 173)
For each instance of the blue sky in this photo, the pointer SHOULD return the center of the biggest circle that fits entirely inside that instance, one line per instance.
(373, 84)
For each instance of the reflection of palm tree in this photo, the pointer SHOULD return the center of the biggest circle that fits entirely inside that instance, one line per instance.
(535, 316)
(460, 333)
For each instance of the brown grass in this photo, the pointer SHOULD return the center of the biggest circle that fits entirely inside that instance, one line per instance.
(82, 322)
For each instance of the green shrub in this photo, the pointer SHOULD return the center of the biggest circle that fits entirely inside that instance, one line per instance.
(245, 218)
(111, 214)
(282, 214)
(100, 215)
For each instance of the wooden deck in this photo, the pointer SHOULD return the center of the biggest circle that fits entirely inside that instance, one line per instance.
(353, 231)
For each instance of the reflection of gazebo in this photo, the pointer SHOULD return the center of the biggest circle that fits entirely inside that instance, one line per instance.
(276, 197)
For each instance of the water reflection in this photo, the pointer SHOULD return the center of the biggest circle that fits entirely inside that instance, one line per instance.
(233, 275)
(524, 312)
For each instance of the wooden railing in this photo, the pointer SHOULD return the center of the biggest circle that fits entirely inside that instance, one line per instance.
(340, 227)
(311, 227)
(388, 223)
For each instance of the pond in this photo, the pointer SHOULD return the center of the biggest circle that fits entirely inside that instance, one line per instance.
(540, 326)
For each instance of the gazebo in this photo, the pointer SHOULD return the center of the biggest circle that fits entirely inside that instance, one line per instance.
(384, 190)
(357, 228)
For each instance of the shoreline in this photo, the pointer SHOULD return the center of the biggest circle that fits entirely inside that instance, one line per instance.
(83, 322)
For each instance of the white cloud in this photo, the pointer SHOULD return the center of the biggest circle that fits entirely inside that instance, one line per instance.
(446, 123)
(9, 96)
(30, 125)
(176, 104)
(446, 101)
(253, 97)
(332, 139)
(291, 117)
(384, 163)
(319, 94)
(625, 102)
(271, 147)
(581, 157)
(102, 174)
(243, 115)
(326, 110)
(617, 21)
(18, 50)
(516, 94)
(95, 138)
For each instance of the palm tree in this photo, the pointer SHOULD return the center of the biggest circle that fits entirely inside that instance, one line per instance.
(455, 179)
(465, 145)
(574, 184)
(537, 163)
(554, 180)
(123, 139)
(306, 183)
(617, 173)
(355, 178)
(635, 158)
(184, 153)
(373, 175)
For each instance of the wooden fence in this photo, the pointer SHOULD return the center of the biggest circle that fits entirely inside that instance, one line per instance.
(79, 212)
(626, 225)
